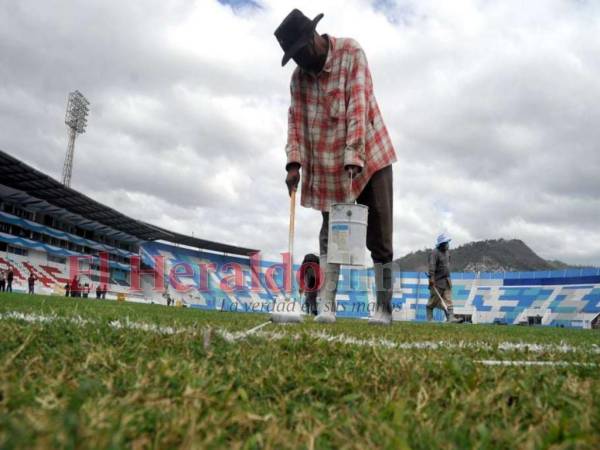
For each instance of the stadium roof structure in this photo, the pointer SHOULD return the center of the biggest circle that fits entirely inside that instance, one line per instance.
(37, 191)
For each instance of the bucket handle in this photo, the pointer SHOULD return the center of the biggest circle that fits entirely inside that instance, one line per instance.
(350, 188)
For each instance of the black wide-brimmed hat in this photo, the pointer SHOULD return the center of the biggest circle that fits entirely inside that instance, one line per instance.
(295, 32)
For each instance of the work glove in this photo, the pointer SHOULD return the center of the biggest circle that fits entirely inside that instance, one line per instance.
(293, 177)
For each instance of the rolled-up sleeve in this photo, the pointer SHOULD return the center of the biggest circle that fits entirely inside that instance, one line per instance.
(356, 114)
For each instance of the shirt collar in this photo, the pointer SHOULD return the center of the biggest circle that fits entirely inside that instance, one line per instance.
(329, 61)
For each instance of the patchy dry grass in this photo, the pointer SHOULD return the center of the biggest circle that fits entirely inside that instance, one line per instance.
(91, 374)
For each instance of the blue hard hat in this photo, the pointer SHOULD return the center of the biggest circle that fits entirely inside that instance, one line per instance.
(442, 238)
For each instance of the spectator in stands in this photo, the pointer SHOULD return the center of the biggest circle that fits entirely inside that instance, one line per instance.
(9, 280)
(338, 139)
(67, 289)
(31, 283)
(440, 285)
(2, 280)
(310, 282)
(75, 287)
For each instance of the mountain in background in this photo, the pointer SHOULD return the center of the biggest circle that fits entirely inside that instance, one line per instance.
(497, 255)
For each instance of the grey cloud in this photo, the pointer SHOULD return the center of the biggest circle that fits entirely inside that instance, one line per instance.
(492, 107)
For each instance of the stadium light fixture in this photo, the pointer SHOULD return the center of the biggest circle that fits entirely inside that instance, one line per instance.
(78, 108)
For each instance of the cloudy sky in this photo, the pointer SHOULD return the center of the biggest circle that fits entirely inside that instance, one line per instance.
(493, 107)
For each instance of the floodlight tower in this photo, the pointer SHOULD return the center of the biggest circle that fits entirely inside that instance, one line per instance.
(76, 120)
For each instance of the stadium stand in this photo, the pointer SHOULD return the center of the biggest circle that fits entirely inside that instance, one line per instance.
(43, 224)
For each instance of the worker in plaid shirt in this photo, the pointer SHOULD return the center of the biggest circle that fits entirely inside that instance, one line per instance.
(338, 141)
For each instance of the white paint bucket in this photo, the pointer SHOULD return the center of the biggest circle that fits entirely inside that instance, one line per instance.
(347, 234)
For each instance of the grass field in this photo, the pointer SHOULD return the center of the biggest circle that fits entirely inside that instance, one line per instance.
(96, 374)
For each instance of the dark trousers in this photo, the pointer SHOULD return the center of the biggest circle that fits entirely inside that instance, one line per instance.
(2, 285)
(378, 195)
(9, 286)
(310, 301)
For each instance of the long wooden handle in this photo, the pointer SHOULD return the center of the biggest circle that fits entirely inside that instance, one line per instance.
(441, 298)
(291, 237)
(292, 225)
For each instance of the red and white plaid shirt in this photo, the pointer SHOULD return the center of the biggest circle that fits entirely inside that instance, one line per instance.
(333, 122)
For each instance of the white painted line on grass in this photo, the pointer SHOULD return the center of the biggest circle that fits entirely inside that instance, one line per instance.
(493, 362)
(235, 336)
(127, 324)
(39, 318)
(255, 329)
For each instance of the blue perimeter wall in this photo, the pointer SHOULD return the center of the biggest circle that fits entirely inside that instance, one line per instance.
(568, 297)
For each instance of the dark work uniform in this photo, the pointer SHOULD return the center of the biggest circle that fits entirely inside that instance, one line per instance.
(9, 280)
(31, 282)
